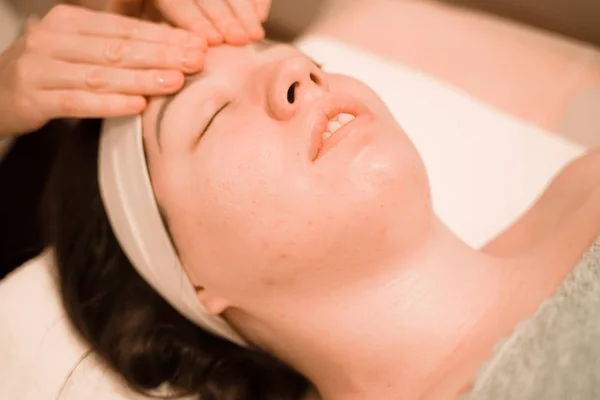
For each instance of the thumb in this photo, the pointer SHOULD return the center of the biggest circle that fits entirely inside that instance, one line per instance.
(131, 8)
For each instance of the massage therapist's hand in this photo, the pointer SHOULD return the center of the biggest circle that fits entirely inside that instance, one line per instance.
(88, 64)
(234, 21)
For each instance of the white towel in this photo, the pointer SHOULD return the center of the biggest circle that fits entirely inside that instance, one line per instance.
(486, 167)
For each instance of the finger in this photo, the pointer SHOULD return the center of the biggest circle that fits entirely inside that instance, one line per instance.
(223, 20)
(204, 26)
(263, 8)
(132, 8)
(245, 13)
(84, 104)
(120, 53)
(59, 75)
(92, 23)
(187, 15)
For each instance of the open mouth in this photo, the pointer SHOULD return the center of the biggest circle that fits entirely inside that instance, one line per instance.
(335, 119)
(335, 124)
(338, 127)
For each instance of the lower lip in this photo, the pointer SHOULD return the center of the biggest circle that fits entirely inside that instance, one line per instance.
(349, 129)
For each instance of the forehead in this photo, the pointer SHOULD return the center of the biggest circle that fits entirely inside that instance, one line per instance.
(229, 63)
(225, 60)
(223, 63)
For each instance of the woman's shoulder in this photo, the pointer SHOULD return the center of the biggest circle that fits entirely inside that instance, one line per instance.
(568, 194)
(555, 354)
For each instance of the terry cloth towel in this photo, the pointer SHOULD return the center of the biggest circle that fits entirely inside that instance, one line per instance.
(555, 355)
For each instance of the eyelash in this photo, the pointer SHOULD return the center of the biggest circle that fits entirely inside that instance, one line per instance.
(211, 120)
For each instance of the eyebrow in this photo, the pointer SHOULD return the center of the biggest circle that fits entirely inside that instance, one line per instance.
(189, 79)
(261, 46)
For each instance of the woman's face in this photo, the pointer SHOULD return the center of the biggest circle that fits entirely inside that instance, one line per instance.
(259, 205)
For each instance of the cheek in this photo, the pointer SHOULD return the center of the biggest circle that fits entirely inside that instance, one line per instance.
(257, 197)
(240, 190)
(250, 206)
(258, 213)
(282, 224)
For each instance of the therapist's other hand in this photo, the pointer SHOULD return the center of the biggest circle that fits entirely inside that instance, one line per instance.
(87, 64)
(236, 22)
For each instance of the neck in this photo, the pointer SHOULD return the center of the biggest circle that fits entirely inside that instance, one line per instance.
(417, 328)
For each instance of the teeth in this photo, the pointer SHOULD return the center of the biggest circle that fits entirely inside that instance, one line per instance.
(335, 124)
(345, 118)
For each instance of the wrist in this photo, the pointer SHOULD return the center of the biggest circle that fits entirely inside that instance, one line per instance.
(13, 122)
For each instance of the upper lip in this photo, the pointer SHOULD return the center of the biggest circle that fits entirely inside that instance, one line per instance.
(327, 109)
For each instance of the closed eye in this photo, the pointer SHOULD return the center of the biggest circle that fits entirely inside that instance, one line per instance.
(211, 120)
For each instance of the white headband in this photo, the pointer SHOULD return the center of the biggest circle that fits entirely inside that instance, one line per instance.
(136, 221)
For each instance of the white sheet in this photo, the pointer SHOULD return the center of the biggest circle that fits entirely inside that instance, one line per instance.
(41, 355)
(485, 166)
(485, 169)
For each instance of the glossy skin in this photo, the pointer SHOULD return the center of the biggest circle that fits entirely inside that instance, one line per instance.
(251, 211)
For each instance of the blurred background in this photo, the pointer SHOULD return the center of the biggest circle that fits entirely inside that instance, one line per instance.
(579, 19)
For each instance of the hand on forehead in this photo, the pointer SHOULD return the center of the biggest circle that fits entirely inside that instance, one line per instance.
(224, 63)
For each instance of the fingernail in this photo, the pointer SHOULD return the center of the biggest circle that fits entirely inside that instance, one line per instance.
(136, 103)
(169, 79)
(191, 58)
(195, 41)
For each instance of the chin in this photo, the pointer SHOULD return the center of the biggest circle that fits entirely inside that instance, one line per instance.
(388, 168)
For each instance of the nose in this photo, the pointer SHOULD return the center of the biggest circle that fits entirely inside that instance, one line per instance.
(297, 81)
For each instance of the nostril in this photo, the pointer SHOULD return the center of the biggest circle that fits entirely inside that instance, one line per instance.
(315, 78)
(291, 94)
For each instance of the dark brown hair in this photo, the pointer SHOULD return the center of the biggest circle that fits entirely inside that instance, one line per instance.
(130, 326)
